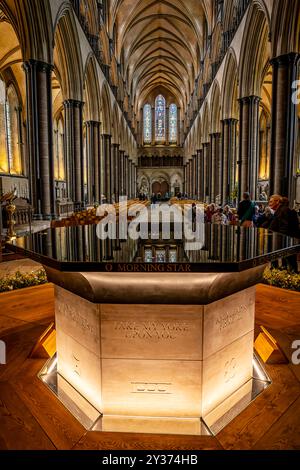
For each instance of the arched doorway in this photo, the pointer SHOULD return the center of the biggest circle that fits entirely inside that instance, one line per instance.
(160, 188)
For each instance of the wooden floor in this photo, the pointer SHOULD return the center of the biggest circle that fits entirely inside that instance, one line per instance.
(32, 418)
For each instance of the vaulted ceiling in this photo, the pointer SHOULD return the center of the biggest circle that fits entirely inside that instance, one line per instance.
(160, 44)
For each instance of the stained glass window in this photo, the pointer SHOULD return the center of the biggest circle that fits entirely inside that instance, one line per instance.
(10, 131)
(173, 123)
(160, 118)
(58, 142)
(147, 123)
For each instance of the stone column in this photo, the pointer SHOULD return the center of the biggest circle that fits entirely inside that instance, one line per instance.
(135, 179)
(122, 173)
(74, 150)
(133, 191)
(200, 178)
(167, 125)
(194, 175)
(93, 149)
(206, 171)
(248, 153)
(215, 170)
(187, 177)
(284, 125)
(116, 180)
(153, 125)
(40, 138)
(106, 164)
(184, 178)
(129, 179)
(178, 127)
(126, 175)
(229, 158)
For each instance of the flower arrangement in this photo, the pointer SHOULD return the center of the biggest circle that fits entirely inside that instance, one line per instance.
(282, 278)
(21, 280)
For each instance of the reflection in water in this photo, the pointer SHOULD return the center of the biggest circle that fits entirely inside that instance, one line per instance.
(223, 244)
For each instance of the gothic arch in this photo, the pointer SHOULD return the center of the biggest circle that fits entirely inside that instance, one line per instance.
(92, 93)
(106, 109)
(115, 125)
(205, 124)
(215, 123)
(229, 87)
(34, 23)
(67, 57)
(254, 51)
(285, 28)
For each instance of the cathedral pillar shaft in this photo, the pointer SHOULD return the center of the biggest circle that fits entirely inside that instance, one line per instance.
(122, 173)
(126, 185)
(229, 158)
(74, 149)
(153, 125)
(206, 170)
(106, 162)
(284, 125)
(167, 125)
(194, 175)
(133, 180)
(200, 179)
(215, 171)
(93, 148)
(40, 138)
(190, 178)
(129, 177)
(116, 180)
(248, 154)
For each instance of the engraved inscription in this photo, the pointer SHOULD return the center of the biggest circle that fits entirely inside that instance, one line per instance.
(229, 318)
(157, 388)
(230, 370)
(152, 330)
(70, 313)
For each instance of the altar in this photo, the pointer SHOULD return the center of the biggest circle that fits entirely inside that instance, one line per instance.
(152, 337)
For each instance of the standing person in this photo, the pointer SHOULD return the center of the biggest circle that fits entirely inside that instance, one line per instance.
(285, 220)
(246, 211)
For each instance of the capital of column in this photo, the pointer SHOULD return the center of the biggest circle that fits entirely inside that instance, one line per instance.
(38, 65)
(106, 136)
(95, 124)
(285, 60)
(72, 104)
(215, 135)
(229, 121)
(205, 145)
(249, 99)
(116, 146)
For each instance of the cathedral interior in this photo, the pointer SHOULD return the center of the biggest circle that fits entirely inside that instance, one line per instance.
(188, 100)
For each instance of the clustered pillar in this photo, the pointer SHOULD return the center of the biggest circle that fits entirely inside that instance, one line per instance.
(74, 150)
(106, 159)
(229, 158)
(40, 138)
(93, 148)
(284, 125)
(249, 134)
